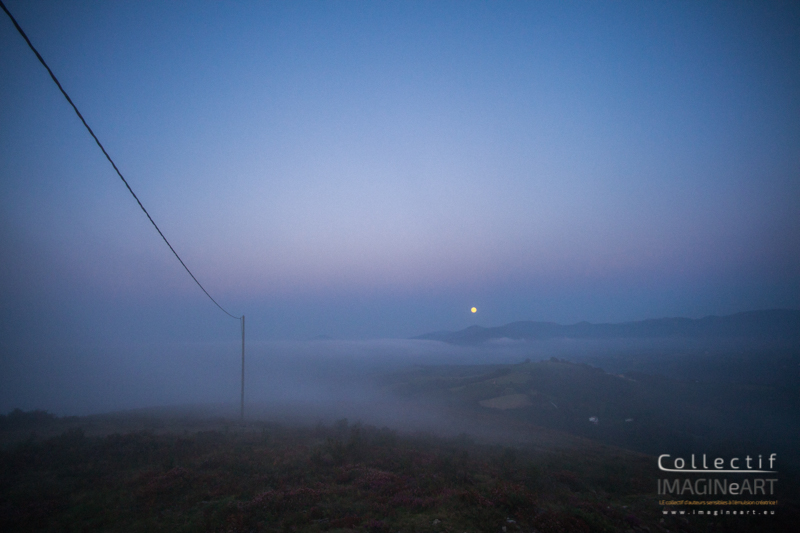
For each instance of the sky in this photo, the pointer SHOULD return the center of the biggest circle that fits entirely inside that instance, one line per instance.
(366, 170)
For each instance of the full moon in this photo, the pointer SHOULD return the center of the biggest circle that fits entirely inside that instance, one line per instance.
(474, 309)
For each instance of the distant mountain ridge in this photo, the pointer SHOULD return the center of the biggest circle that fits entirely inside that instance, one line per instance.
(776, 324)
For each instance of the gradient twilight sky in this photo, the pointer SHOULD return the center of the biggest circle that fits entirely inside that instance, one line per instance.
(374, 169)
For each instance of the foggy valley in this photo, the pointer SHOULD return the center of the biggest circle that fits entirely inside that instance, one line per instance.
(549, 402)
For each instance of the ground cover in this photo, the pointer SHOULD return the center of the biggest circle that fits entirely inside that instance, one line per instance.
(342, 477)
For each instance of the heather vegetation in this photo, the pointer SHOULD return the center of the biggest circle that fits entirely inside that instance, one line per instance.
(228, 477)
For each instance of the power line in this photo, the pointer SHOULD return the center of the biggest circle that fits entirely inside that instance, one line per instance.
(74, 107)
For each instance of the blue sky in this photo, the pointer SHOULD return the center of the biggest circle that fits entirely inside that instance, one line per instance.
(374, 169)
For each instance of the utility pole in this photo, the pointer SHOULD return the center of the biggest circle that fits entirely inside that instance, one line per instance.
(242, 411)
(100, 145)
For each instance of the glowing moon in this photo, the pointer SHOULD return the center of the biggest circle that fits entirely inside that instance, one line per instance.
(474, 309)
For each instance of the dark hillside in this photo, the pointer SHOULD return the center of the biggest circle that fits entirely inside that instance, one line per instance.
(772, 325)
(267, 477)
(637, 411)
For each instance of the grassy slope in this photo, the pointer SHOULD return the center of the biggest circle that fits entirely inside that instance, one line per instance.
(266, 477)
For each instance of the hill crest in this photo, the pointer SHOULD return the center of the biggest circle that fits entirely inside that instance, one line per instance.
(773, 324)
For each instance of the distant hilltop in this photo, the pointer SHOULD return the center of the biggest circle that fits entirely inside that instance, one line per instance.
(774, 324)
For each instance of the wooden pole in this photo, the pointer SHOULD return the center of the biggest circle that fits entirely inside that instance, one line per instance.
(242, 405)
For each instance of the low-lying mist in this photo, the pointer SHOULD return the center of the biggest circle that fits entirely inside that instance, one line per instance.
(637, 394)
(90, 379)
(297, 382)
(327, 377)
